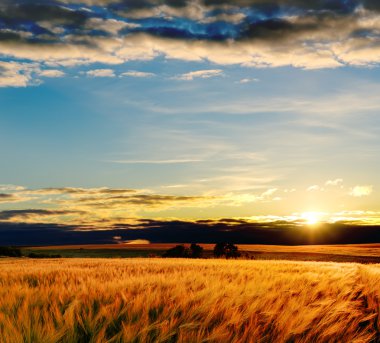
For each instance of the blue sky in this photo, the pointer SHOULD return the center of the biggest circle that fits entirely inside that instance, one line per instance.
(189, 110)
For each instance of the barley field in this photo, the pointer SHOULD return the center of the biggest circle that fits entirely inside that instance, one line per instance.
(372, 250)
(172, 300)
(356, 253)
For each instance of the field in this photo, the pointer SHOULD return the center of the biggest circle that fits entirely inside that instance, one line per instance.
(183, 300)
(360, 253)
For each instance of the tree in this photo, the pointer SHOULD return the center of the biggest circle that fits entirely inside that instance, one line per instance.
(10, 252)
(232, 251)
(228, 250)
(177, 251)
(196, 250)
(219, 249)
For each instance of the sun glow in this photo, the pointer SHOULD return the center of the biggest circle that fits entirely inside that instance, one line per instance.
(311, 218)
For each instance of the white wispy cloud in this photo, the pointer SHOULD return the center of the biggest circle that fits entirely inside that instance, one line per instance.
(247, 80)
(112, 26)
(7, 198)
(173, 161)
(51, 73)
(348, 101)
(101, 73)
(336, 182)
(313, 188)
(135, 73)
(7, 188)
(202, 74)
(269, 192)
(361, 191)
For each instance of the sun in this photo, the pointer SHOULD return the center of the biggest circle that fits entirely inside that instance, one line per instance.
(311, 218)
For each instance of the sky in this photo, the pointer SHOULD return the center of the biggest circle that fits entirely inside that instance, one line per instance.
(115, 111)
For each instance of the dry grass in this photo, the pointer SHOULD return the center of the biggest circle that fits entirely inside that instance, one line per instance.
(154, 300)
(341, 249)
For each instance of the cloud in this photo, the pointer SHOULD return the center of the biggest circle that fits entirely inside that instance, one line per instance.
(13, 74)
(51, 73)
(77, 191)
(303, 34)
(309, 109)
(104, 208)
(138, 199)
(6, 197)
(101, 73)
(336, 182)
(17, 74)
(134, 73)
(269, 192)
(11, 188)
(30, 214)
(361, 191)
(202, 74)
(235, 230)
(247, 80)
(173, 161)
(101, 204)
(12, 198)
(101, 207)
(111, 26)
(313, 188)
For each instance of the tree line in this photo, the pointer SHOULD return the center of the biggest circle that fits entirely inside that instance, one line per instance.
(17, 252)
(226, 250)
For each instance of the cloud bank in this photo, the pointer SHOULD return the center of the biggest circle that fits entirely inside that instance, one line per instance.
(104, 207)
(304, 34)
(175, 231)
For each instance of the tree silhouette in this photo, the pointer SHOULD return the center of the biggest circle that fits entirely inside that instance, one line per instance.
(196, 250)
(219, 249)
(177, 251)
(228, 250)
(10, 251)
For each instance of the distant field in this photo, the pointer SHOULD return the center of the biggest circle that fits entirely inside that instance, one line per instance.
(183, 300)
(342, 249)
(361, 253)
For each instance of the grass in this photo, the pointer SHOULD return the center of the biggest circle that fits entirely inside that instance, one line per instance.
(172, 300)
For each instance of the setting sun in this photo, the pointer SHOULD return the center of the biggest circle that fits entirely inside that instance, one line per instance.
(311, 218)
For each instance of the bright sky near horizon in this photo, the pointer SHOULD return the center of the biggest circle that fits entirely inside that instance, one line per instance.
(114, 110)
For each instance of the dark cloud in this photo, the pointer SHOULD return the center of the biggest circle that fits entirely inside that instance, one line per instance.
(5, 195)
(110, 197)
(79, 191)
(30, 213)
(10, 37)
(151, 199)
(10, 197)
(331, 5)
(276, 29)
(240, 232)
(29, 12)
(262, 18)
(145, 201)
(307, 34)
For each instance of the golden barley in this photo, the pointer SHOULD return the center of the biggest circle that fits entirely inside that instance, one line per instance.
(156, 300)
